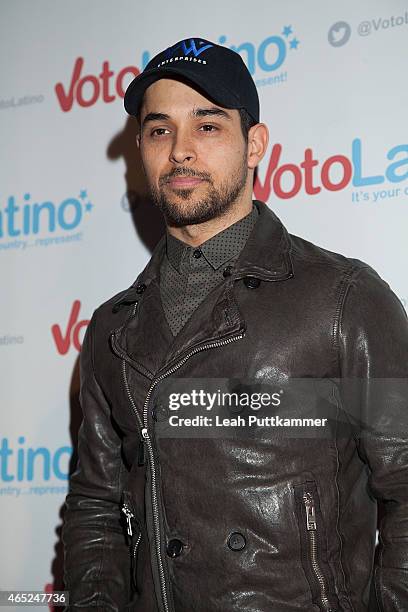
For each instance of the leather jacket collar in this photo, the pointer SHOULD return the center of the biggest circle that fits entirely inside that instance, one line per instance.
(266, 255)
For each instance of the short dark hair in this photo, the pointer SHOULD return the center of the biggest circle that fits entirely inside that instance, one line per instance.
(246, 121)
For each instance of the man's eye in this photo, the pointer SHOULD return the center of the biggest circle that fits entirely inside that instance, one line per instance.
(158, 130)
(208, 125)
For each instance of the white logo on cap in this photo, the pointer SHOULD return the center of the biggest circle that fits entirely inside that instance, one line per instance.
(186, 59)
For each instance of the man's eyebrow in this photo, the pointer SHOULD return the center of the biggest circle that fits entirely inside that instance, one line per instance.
(154, 117)
(198, 112)
(214, 110)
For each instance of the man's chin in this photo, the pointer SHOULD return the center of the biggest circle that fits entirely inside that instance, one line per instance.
(178, 214)
(176, 194)
(180, 201)
(190, 206)
(180, 218)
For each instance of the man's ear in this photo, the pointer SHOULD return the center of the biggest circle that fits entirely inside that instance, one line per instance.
(258, 138)
(138, 140)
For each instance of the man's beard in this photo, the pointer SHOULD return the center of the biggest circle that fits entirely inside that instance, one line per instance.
(214, 204)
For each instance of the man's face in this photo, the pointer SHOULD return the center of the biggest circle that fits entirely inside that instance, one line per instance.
(193, 153)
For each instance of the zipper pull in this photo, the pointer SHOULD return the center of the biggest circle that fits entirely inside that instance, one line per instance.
(141, 459)
(310, 512)
(129, 515)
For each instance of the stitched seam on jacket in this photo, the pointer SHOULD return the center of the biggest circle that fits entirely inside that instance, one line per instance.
(378, 588)
(345, 285)
(345, 585)
(100, 572)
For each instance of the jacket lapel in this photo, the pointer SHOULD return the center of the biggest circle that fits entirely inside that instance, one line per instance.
(146, 339)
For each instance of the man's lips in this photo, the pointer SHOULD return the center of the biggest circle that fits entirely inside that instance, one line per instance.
(185, 181)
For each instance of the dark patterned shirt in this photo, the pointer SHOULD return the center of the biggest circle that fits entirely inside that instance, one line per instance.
(189, 273)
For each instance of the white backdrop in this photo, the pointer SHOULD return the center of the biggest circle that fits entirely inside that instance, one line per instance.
(332, 82)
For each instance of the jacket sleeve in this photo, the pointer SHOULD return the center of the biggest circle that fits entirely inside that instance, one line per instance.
(96, 555)
(373, 338)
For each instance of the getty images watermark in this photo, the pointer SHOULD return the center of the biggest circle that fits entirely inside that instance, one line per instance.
(234, 401)
(294, 407)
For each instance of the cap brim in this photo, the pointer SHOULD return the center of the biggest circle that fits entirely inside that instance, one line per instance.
(135, 91)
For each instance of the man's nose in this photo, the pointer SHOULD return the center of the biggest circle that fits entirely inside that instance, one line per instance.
(182, 149)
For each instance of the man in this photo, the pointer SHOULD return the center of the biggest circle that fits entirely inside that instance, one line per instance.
(173, 507)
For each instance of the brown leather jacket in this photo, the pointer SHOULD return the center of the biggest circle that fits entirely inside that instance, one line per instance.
(262, 520)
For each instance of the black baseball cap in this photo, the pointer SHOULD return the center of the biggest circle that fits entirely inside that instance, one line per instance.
(219, 72)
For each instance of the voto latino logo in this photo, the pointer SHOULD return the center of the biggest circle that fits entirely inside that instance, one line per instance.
(268, 57)
(69, 334)
(338, 171)
(25, 223)
(25, 469)
(85, 88)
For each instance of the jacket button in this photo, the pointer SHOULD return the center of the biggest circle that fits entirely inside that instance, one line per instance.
(236, 541)
(174, 548)
(197, 253)
(227, 271)
(251, 282)
(140, 288)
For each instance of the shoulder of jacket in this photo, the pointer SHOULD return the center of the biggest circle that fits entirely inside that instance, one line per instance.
(366, 290)
(309, 253)
(354, 278)
(107, 312)
(111, 306)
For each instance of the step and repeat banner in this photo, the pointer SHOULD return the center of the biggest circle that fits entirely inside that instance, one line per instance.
(76, 226)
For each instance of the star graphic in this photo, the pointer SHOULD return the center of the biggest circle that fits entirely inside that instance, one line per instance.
(88, 206)
(294, 43)
(83, 194)
(287, 30)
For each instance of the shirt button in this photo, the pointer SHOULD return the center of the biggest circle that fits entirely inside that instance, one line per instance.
(236, 541)
(197, 253)
(174, 548)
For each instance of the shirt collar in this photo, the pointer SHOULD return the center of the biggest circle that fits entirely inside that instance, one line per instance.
(219, 248)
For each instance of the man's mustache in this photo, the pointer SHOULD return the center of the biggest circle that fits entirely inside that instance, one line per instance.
(184, 172)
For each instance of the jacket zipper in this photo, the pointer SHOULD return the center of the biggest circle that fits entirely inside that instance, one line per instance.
(129, 515)
(311, 526)
(147, 440)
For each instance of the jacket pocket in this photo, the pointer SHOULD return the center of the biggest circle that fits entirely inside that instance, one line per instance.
(314, 548)
(134, 534)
